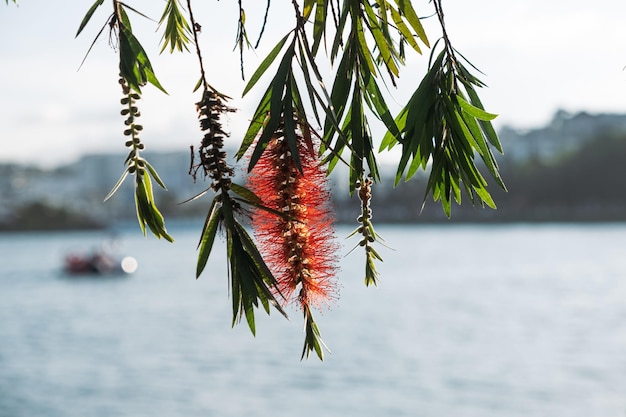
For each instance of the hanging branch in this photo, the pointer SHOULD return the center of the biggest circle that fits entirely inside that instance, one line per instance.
(366, 230)
(441, 129)
(135, 72)
(355, 86)
(177, 30)
(242, 36)
(443, 126)
(250, 279)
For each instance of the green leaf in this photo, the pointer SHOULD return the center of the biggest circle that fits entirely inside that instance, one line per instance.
(256, 124)
(264, 279)
(269, 59)
(485, 152)
(307, 8)
(319, 26)
(155, 175)
(383, 43)
(340, 91)
(338, 41)
(405, 7)
(132, 9)
(391, 139)
(277, 88)
(363, 47)
(208, 236)
(147, 212)
(134, 63)
(404, 29)
(140, 202)
(485, 197)
(117, 185)
(487, 127)
(313, 339)
(198, 84)
(249, 274)
(289, 129)
(255, 256)
(404, 160)
(88, 16)
(147, 185)
(380, 108)
(357, 133)
(246, 193)
(474, 111)
(309, 87)
(177, 30)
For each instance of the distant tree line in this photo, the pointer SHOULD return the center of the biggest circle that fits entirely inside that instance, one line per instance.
(584, 185)
(40, 216)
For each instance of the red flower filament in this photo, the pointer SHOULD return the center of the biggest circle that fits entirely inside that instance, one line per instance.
(299, 248)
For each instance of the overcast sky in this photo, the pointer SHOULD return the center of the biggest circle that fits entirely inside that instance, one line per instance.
(537, 56)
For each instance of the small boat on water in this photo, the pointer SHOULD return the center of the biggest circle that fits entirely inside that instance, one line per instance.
(99, 262)
(102, 260)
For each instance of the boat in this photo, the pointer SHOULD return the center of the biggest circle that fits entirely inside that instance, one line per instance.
(99, 261)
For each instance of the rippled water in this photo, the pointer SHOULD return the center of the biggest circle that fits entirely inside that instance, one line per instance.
(467, 321)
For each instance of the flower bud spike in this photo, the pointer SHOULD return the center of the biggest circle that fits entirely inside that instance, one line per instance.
(299, 247)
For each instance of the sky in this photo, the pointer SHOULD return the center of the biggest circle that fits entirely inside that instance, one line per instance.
(537, 57)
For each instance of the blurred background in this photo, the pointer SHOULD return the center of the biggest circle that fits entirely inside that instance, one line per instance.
(508, 312)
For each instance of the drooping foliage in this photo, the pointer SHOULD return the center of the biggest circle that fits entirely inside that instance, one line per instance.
(443, 129)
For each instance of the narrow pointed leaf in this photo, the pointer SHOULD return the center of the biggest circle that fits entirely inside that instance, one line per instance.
(474, 111)
(155, 175)
(208, 237)
(88, 16)
(246, 193)
(269, 59)
(405, 7)
(117, 185)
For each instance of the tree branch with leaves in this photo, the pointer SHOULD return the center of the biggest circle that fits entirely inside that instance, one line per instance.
(300, 132)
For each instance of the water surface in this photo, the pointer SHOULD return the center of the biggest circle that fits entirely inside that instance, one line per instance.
(466, 321)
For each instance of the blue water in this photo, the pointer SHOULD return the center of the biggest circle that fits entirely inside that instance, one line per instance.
(466, 321)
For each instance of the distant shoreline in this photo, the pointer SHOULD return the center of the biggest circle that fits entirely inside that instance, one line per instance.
(196, 223)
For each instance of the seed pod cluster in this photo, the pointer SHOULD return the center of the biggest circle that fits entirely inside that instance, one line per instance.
(365, 195)
(131, 111)
(212, 157)
(366, 230)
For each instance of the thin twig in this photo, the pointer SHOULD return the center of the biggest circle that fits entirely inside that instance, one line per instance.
(196, 29)
(267, 12)
(240, 37)
(446, 40)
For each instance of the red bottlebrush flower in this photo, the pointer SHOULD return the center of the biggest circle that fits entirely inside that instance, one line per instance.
(300, 248)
